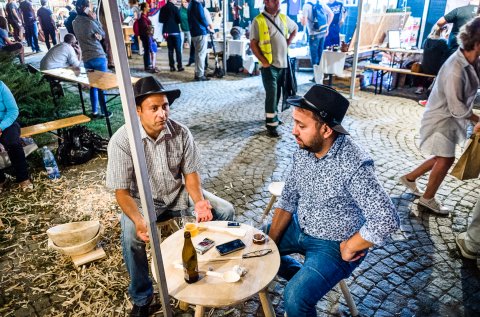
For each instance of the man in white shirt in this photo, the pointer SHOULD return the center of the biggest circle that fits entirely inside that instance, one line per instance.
(66, 54)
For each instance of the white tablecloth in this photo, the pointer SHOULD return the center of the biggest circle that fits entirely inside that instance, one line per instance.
(331, 63)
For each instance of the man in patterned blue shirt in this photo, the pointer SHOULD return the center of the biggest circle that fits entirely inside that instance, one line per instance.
(332, 208)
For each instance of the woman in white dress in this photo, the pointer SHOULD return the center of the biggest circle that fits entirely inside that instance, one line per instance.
(447, 115)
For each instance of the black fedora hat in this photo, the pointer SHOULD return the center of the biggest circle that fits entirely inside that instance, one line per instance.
(147, 86)
(325, 101)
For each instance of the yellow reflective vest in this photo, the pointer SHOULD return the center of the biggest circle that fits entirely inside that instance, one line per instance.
(264, 34)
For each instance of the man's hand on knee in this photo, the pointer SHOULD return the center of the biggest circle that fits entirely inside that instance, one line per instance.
(348, 254)
(203, 209)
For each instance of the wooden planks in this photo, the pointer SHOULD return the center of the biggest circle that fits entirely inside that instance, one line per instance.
(54, 125)
(91, 256)
(397, 70)
(91, 78)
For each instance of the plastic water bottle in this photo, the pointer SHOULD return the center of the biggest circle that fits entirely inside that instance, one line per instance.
(50, 164)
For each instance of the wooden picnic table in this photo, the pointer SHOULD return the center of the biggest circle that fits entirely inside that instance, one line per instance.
(91, 78)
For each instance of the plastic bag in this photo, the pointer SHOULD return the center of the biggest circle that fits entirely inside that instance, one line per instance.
(79, 145)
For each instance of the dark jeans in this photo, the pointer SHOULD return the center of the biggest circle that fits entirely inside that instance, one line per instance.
(174, 43)
(16, 30)
(50, 33)
(191, 58)
(31, 33)
(272, 80)
(10, 139)
(322, 269)
(146, 50)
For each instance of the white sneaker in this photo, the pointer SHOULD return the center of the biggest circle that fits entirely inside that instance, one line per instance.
(434, 205)
(412, 186)
(466, 253)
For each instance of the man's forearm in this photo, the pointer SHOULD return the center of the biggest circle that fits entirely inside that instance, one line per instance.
(193, 185)
(281, 220)
(291, 37)
(128, 205)
(257, 52)
(356, 243)
(441, 22)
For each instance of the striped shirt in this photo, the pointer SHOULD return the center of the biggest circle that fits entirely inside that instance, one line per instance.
(173, 154)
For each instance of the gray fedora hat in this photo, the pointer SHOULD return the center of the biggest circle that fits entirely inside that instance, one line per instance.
(147, 86)
(326, 102)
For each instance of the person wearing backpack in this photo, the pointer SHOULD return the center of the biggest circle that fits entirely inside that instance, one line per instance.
(317, 17)
(270, 35)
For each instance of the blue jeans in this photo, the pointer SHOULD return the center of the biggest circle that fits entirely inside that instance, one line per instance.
(135, 256)
(316, 48)
(99, 63)
(31, 33)
(323, 268)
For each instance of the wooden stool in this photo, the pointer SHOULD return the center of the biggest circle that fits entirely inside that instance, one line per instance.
(171, 225)
(276, 189)
(128, 47)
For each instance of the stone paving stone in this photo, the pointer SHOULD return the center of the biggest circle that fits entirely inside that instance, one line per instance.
(226, 118)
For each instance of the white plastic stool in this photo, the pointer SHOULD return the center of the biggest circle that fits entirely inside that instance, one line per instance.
(276, 189)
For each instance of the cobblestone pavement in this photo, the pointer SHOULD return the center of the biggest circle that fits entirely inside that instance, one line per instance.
(419, 274)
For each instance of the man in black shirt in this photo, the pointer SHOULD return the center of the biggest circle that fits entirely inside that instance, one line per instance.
(14, 19)
(47, 23)
(459, 17)
(170, 17)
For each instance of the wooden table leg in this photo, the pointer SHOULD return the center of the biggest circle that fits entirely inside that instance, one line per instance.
(199, 311)
(266, 303)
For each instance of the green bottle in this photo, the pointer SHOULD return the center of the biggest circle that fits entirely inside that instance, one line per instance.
(189, 259)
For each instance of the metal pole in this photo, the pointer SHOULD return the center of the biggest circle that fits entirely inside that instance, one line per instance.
(356, 45)
(424, 22)
(138, 155)
(225, 16)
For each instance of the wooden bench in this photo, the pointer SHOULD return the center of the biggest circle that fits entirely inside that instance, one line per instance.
(53, 125)
(385, 69)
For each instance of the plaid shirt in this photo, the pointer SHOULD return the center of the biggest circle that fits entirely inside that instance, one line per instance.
(173, 154)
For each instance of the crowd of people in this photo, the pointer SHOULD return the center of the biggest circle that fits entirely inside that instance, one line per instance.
(332, 209)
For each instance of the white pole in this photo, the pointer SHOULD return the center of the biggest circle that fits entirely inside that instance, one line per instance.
(424, 22)
(133, 129)
(356, 45)
(225, 16)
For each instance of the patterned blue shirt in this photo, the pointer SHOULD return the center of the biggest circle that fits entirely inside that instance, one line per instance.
(338, 195)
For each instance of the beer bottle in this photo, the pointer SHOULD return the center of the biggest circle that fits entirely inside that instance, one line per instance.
(189, 259)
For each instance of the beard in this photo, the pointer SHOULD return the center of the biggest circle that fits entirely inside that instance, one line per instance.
(315, 146)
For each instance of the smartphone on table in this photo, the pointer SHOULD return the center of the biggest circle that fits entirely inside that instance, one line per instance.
(230, 246)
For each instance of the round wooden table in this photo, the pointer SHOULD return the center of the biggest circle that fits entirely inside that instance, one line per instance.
(212, 291)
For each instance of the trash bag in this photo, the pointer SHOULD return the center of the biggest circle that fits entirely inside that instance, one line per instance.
(79, 145)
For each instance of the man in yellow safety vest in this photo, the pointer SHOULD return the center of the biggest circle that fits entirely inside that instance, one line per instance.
(270, 35)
